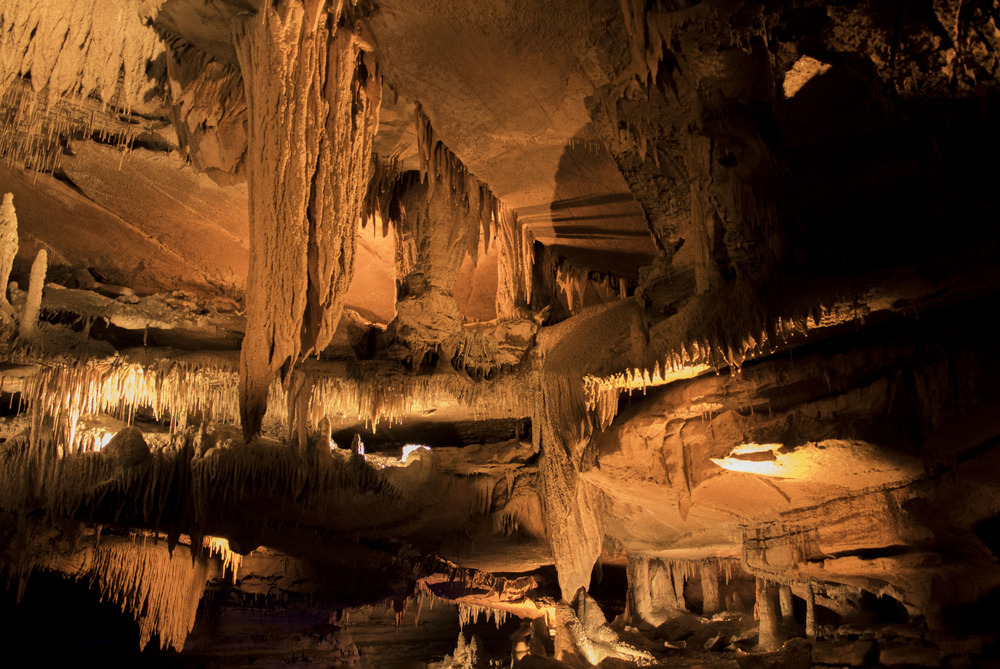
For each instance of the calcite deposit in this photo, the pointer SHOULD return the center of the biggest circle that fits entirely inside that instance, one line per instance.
(468, 334)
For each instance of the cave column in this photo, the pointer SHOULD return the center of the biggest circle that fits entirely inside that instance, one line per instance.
(810, 610)
(312, 111)
(709, 588)
(678, 578)
(638, 604)
(785, 599)
(574, 509)
(769, 637)
(435, 231)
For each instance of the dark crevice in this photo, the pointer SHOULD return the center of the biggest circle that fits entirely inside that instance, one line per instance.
(873, 553)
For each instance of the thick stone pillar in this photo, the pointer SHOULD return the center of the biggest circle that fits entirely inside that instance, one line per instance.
(312, 111)
(770, 638)
(431, 242)
(638, 604)
(709, 588)
(785, 599)
(574, 509)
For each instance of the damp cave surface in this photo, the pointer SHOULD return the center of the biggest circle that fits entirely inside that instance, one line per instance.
(687, 301)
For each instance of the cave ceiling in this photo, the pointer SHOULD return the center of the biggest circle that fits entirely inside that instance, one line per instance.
(337, 305)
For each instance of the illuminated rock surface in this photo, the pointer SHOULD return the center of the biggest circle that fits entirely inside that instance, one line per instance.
(456, 334)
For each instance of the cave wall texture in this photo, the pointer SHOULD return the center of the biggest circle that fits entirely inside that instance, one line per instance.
(317, 313)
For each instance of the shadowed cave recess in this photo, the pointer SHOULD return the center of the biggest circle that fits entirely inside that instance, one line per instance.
(457, 334)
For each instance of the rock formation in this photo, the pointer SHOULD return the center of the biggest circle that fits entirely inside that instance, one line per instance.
(611, 333)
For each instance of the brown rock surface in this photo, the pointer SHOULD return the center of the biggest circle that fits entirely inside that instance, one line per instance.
(641, 320)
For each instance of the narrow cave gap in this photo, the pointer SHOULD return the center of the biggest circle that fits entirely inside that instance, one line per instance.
(988, 531)
(449, 434)
(874, 553)
(610, 592)
(882, 610)
(12, 404)
(824, 615)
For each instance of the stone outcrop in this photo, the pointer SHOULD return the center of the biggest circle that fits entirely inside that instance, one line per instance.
(735, 384)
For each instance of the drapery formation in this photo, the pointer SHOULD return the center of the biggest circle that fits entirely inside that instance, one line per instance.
(312, 98)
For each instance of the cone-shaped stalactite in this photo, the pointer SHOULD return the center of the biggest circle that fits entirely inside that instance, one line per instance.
(312, 105)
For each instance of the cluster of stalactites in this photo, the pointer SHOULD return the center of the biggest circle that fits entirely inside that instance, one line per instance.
(53, 58)
(231, 560)
(66, 393)
(189, 395)
(700, 355)
(98, 47)
(32, 134)
(691, 569)
(574, 280)
(161, 589)
(441, 168)
(801, 543)
(469, 614)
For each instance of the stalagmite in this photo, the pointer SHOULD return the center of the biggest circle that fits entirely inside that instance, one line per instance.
(785, 599)
(710, 587)
(770, 638)
(29, 320)
(8, 249)
(638, 604)
(810, 610)
(312, 105)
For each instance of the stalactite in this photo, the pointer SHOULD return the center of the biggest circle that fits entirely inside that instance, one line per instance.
(29, 319)
(469, 613)
(161, 591)
(208, 106)
(308, 167)
(514, 262)
(230, 559)
(516, 250)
